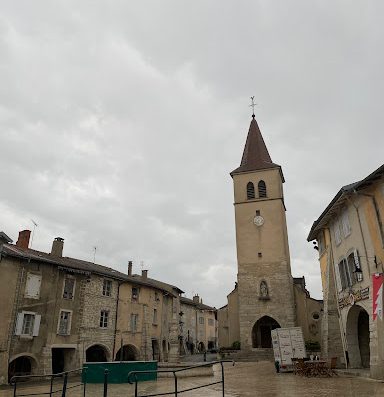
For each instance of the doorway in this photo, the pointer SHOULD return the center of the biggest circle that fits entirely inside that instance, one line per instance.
(358, 337)
(261, 332)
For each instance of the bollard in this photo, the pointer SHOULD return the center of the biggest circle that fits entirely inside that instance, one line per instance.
(51, 387)
(64, 391)
(105, 394)
(84, 381)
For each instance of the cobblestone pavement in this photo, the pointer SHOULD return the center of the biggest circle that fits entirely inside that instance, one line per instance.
(242, 380)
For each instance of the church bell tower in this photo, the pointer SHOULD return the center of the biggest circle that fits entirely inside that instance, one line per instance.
(265, 285)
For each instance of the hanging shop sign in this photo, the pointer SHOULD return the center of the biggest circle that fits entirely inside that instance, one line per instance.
(354, 296)
(377, 296)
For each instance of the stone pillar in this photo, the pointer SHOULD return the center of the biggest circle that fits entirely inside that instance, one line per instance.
(173, 354)
(3, 367)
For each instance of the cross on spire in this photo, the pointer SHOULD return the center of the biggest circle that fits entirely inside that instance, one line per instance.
(252, 105)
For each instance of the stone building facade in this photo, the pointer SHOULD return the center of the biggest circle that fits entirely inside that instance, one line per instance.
(59, 312)
(198, 324)
(349, 237)
(264, 296)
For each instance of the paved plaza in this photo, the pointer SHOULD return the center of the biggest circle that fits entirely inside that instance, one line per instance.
(242, 380)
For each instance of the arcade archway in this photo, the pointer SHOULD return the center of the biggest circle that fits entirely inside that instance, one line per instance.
(96, 353)
(127, 353)
(261, 332)
(22, 365)
(358, 337)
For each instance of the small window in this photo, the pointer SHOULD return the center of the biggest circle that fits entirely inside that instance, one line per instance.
(134, 322)
(107, 287)
(346, 269)
(250, 191)
(154, 316)
(157, 296)
(201, 320)
(337, 233)
(104, 315)
(32, 286)
(64, 326)
(69, 287)
(27, 324)
(262, 189)
(135, 294)
(345, 224)
(210, 321)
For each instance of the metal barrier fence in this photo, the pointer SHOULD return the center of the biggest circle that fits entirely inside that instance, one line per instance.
(132, 379)
(52, 390)
(176, 391)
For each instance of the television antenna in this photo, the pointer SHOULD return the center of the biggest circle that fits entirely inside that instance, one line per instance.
(94, 254)
(33, 231)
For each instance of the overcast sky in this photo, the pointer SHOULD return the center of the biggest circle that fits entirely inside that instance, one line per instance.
(121, 120)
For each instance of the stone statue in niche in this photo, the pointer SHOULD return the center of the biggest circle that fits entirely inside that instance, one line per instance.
(264, 290)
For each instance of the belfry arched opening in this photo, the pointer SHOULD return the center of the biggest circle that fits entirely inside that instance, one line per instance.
(261, 332)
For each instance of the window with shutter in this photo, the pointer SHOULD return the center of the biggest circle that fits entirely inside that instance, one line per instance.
(36, 325)
(343, 274)
(338, 278)
(135, 294)
(69, 288)
(64, 326)
(345, 224)
(32, 286)
(27, 324)
(336, 232)
(359, 270)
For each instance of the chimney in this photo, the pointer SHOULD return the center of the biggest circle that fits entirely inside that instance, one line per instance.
(130, 268)
(144, 274)
(23, 240)
(57, 247)
(196, 299)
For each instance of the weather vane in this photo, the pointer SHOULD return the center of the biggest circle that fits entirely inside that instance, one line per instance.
(252, 105)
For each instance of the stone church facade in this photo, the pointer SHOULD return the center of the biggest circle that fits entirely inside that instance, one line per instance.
(265, 296)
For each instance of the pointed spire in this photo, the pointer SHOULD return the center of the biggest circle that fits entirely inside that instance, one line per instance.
(255, 155)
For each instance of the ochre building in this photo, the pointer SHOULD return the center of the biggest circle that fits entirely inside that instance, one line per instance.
(349, 237)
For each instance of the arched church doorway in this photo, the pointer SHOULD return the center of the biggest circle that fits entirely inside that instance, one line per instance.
(127, 353)
(96, 353)
(261, 332)
(358, 337)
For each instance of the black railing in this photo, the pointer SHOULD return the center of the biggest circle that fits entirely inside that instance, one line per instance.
(132, 378)
(52, 390)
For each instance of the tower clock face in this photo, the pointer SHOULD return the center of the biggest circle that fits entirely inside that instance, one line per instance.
(258, 220)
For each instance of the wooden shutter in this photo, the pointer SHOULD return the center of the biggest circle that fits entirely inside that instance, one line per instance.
(338, 278)
(19, 323)
(36, 325)
(32, 286)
